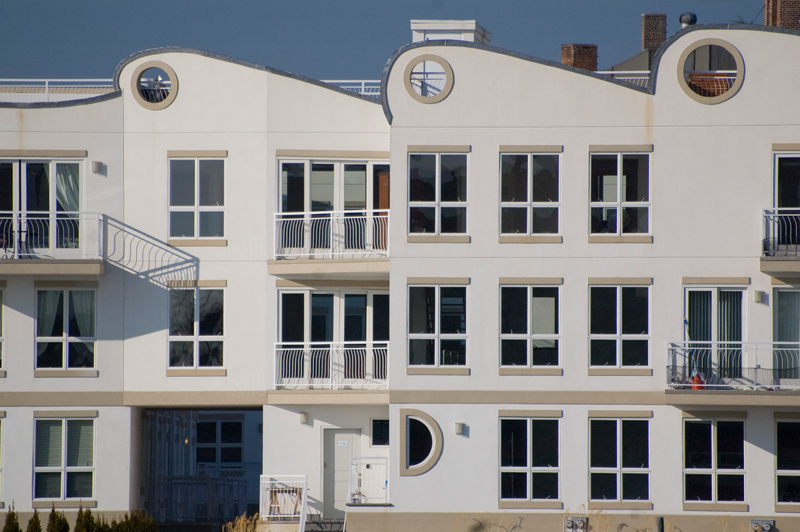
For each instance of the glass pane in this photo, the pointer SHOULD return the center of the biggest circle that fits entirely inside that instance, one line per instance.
(292, 187)
(206, 432)
(634, 310)
(454, 220)
(544, 310)
(230, 454)
(544, 485)
(50, 313)
(181, 354)
(421, 352)
(206, 455)
(454, 353)
(211, 311)
(321, 317)
(544, 443)
(634, 352)
(698, 487)
(422, 177)
(422, 220)
(48, 486)
(788, 446)
(514, 310)
(321, 187)
(635, 220)
(380, 186)
(355, 187)
(210, 354)
(788, 489)
(80, 354)
(636, 177)
(730, 487)
(698, 444)
(635, 486)
(604, 220)
(212, 224)
(421, 310)
(231, 432)
(603, 443)
(38, 187)
(603, 310)
(513, 220)
(514, 353)
(181, 312)
(699, 315)
(730, 445)
(181, 224)
(6, 189)
(67, 187)
(48, 443)
(292, 317)
(545, 352)
(79, 484)
(454, 177)
(604, 178)
(635, 443)
(212, 183)
(181, 183)
(81, 313)
(49, 355)
(380, 317)
(544, 170)
(603, 486)
(380, 432)
(513, 486)
(80, 443)
(544, 220)
(603, 353)
(355, 318)
(453, 310)
(420, 441)
(514, 178)
(513, 443)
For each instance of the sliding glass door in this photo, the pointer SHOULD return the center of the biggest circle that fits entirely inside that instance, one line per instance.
(714, 331)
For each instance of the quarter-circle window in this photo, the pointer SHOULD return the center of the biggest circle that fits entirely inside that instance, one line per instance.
(154, 85)
(420, 442)
(711, 71)
(428, 78)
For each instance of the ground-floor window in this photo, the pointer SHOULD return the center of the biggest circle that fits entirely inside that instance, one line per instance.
(529, 458)
(713, 461)
(788, 461)
(619, 463)
(64, 459)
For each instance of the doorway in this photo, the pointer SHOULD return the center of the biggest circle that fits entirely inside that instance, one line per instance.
(340, 447)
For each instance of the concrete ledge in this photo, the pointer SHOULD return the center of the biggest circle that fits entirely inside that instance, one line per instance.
(65, 373)
(620, 239)
(197, 372)
(620, 505)
(51, 267)
(530, 239)
(421, 370)
(356, 268)
(39, 505)
(715, 507)
(533, 505)
(620, 372)
(543, 371)
(420, 238)
(198, 243)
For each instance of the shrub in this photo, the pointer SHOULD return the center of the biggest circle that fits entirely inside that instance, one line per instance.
(242, 524)
(136, 522)
(12, 522)
(34, 523)
(57, 522)
(84, 521)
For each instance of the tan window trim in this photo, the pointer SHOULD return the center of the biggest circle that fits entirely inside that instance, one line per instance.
(440, 148)
(620, 372)
(197, 242)
(65, 284)
(620, 505)
(530, 239)
(332, 283)
(332, 154)
(87, 414)
(192, 283)
(786, 415)
(436, 453)
(540, 371)
(714, 414)
(621, 148)
(531, 148)
(644, 414)
(621, 281)
(785, 147)
(620, 239)
(65, 373)
(715, 507)
(2, 414)
(197, 372)
(716, 280)
(83, 503)
(531, 413)
(437, 280)
(530, 505)
(3, 284)
(197, 154)
(2, 374)
(49, 154)
(785, 508)
(423, 370)
(532, 280)
(438, 239)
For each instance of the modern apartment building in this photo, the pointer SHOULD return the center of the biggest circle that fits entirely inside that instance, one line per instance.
(501, 292)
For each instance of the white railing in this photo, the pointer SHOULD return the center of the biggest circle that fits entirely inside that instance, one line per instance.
(196, 498)
(283, 499)
(782, 232)
(331, 365)
(51, 235)
(332, 234)
(635, 77)
(46, 90)
(734, 365)
(369, 480)
(366, 87)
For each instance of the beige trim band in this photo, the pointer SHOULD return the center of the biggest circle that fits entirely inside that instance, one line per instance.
(620, 505)
(786, 147)
(437, 280)
(620, 239)
(529, 239)
(315, 267)
(63, 399)
(65, 373)
(327, 397)
(197, 372)
(714, 414)
(437, 239)
(530, 505)
(65, 284)
(715, 507)
(438, 440)
(193, 283)
(639, 148)
(198, 243)
(62, 267)
(438, 371)
(333, 154)
(785, 508)
(48, 154)
(620, 372)
(523, 397)
(786, 415)
(439, 148)
(715, 280)
(624, 281)
(786, 281)
(531, 148)
(540, 371)
(43, 505)
(643, 414)
(780, 266)
(531, 413)
(65, 413)
(199, 154)
(532, 280)
(332, 283)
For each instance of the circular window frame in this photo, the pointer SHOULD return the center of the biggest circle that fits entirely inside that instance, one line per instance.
(730, 93)
(436, 451)
(448, 72)
(136, 78)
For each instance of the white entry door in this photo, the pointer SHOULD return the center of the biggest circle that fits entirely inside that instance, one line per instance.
(340, 447)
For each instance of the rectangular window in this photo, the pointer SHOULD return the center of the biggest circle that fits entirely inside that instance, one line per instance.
(788, 461)
(218, 442)
(714, 332)
(65, 329)
(380, 432)
(64, 459)
(529, 459)
(619, 329)
(619, 463)
(1, 330)
(529, 333)
(529, 193)
(437, 188)
(713, 461)
(196, 328)
(196, 198)
(620, 193)
(437, 325)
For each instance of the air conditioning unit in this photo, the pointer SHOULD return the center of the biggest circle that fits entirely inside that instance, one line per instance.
(762, 525)
(576, 524)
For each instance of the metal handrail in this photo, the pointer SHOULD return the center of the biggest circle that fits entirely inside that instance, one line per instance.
(330, 234)
(51, 234)
(331, 365)
(782, 232)
(283, 498)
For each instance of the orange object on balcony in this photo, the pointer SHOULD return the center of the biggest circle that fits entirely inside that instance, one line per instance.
(698, 382)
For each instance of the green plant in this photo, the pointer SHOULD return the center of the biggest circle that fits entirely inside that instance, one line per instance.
(12, 522)
(84, 521)
(136, 522)
(34, 523)
(57, 522)
(242, 524)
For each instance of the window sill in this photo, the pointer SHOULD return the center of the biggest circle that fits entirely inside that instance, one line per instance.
(620, 505)
(425, 370)
(620, 239)
(197, 372)
(58, 373)
(530, 239)
(715, 507)
(620, 372)
(787, 507)
(77, 503)
(524, 505)
(422, 238)
(369, 504)
(531, 371)
(197, 243)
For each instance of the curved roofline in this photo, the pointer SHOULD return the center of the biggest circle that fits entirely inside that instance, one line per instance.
(66, 103)
(220, 57)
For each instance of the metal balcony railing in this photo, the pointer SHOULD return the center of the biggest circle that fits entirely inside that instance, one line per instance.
(635, 77)
(711, 83)
(196, 498)
(365, 87)
(51, 235)
(332, 234)
(55, 90)
(781, 232)
(331, 365)
(369, 480)
(733, 366)
(283, 499)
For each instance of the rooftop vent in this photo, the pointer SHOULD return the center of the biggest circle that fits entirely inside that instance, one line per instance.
(687, 19)
(457, 30)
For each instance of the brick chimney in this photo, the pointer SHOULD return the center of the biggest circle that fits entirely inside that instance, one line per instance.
(782, 13)
(580, 56)
(654, 30)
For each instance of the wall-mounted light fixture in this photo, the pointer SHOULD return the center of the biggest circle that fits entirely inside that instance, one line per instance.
(304, 418)
(97, 167)
(460, 428)
(758, 296)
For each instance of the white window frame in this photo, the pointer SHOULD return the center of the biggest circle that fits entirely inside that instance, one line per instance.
(620, 470)
(196, 337)
(64, 469)
(528, 469)
(437, 204)
(65, 339)
(715, 471)
(196, 209)
(529, 205)
(618, 336)
(619, 204)
(438, 336)
(530, 337)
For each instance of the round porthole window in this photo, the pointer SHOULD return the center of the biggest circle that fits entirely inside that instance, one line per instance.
(154, 85)
(711, 71)
(428, 78)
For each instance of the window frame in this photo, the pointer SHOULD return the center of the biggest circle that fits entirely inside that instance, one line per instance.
(437, 203)
(218, 444)
(195, 338)
(620, 470)
(2, 321)
(529, 469)
(529, 204)
(619, 337)
(64, 469)
(65, 339)
(372, 432)
(530, 337)
(619, 204)
(783, 472)
(714, 471)
(437, 336)
(196, 209)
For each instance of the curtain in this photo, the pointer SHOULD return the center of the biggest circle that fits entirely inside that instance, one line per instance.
(786, 328)
(48, 443)
(699, 331)
(67, 191)
(81, 307)
(49, 303)
(729, 333)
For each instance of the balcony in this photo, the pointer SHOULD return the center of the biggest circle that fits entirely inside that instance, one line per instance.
(52, 90)
(331, 366)
(745, 366)
(781, 252)
(332, 235)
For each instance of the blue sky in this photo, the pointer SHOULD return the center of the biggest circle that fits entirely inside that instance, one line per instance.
(324, 39)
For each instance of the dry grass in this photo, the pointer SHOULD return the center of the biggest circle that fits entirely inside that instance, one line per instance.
(242, 524)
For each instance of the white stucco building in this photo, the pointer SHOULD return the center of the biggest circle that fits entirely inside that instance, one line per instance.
(578, 296)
